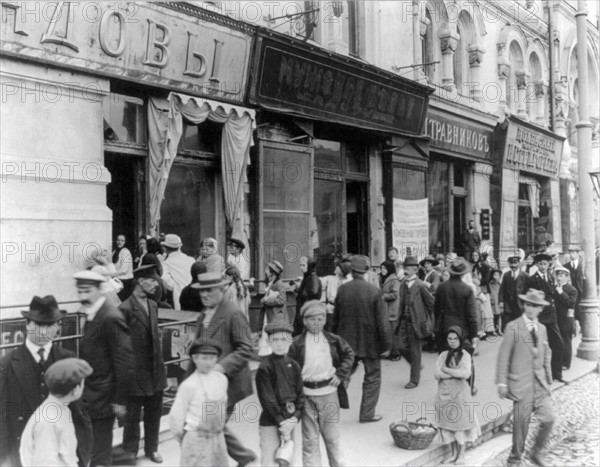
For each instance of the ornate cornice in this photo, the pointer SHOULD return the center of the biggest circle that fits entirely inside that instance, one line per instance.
(210, 16)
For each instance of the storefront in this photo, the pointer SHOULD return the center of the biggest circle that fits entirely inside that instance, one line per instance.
(134, 125)
(324, 126)
(458, 178)
(525, 187)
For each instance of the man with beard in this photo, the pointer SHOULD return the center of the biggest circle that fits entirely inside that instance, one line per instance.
(141, 315)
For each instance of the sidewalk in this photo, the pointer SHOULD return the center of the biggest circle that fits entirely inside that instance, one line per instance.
(372, 444)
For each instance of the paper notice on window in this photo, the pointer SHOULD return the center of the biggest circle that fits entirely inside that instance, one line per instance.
(411, 227)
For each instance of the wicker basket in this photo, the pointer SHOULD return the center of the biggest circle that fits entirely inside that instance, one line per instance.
(406, 437)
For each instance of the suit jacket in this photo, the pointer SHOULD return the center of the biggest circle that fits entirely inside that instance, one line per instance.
(106, 346)
(564, 302)
(455, 305)
(471, 241)
(150, 374)
(548, 315)
(275, 305)
(361, 320)
(418, 302)
(230, 327)
(20, 395)
(509, 291)
(390, 292)
(577, 277)
(520, 365)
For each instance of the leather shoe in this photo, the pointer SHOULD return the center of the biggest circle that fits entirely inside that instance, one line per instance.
(375, 418)
(411, 385)
(250, 460)
(537, 459)
(155, 457)
(560, 380)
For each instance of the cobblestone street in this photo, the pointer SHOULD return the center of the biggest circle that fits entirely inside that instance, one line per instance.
(581, 448)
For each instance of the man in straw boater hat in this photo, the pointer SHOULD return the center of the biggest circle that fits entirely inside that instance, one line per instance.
(455, 306)
(223, 321)
(141, 315)
(565, 299)
(106, 346)
(176, 267)
(22, 387)
(543, 280)
(361, 320)
(512, 285)
(524, 375)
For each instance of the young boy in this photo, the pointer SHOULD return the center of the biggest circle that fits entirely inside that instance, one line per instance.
(197, 417)
(49, 436)
(326, 360)
(279, 388)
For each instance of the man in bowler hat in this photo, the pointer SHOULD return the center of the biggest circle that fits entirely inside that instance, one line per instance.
(141, 315)
(106, 346)
(22, 386)
(361, 320)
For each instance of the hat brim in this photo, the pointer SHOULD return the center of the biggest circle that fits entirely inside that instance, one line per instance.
(533, 302)
(458, 273)
(27, 315)
(199, 286)
(433, 262)
(237, 243)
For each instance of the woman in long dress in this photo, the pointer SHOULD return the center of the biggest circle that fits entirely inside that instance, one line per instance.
(456, 417)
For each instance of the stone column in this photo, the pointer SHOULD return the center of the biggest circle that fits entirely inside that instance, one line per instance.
(448, 44)
(503, 74)
(475, 57)
(522, 80)
(540, 99)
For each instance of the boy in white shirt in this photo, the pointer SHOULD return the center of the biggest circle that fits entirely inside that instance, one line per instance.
(49, 436)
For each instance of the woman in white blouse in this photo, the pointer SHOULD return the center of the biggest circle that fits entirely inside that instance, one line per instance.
(123, 261)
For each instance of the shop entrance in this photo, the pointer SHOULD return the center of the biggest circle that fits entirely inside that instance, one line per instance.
(125, 196)
(356, 217)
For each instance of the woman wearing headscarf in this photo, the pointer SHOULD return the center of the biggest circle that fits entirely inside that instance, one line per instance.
(309, 289)
(458, 425)
(189, 300)
(390, 289)
(236, 291)
(274, 304)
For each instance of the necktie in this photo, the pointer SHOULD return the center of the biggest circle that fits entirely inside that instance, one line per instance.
(534, 337)
(42, 361)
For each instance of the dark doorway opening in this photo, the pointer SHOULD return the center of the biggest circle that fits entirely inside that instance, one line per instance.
(459, 223)
(357, 217)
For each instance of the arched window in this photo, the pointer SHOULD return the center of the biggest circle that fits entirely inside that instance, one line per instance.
(515, 99)
(427, 54)
(535, 93)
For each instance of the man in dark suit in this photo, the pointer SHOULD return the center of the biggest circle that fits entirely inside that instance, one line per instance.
(141, 315)
(512, 285)
(471, 240)
(524, 376)
(575, 267)
(455, 306)
(106, 346)
(415, 309)
(223, 321)
(22, 387)
(565, 298)
(542, 280)
(360, 318)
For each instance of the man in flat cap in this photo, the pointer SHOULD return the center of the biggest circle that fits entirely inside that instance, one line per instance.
(106, 346)
(361, 319)
(235, 248)
(223, 321)
(565, 300)
(141, 315)
(22, 385)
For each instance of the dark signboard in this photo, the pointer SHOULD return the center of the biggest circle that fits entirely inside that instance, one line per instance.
(459, 135)
(485, 224)
(291, 77)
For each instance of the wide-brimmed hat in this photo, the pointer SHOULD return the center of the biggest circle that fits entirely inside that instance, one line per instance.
(410, 261)
(542, 257)
(359, 263)
(172, 241)
(574, 248)
(89, 278)
(145, 272)
(44, 310)
(237, 242)
(209, 280)
(560, 268)
(276, 267)
(536, 297)
(429, 259)
(459, 267)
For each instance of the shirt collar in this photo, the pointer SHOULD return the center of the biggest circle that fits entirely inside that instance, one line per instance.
(92, 310)
(527, 320)
(34, 349)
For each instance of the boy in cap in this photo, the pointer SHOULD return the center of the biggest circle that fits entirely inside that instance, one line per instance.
(197, 417)
(326, 361)
(279, 387)
(49, 436)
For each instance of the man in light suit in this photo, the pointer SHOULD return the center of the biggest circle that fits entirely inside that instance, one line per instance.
(524, 375)
(513, 284)
(575, 267)
(224, 322)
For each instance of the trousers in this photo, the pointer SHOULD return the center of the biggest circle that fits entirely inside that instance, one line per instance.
(371, 386)
(131, 431)
(321, 417)
(103, 436)
(236, 450)
(411, 349)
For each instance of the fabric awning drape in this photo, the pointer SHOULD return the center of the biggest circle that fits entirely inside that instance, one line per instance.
(533, 192)
(165, 123)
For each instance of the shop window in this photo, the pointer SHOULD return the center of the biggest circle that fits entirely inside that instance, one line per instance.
(438, 199)
(329, 217)
(328, 154)
(356, 159)
(124, 119)
(409, 183)
(205, 137)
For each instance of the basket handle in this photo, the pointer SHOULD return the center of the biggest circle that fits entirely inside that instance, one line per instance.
(425, 420)
(403, 424)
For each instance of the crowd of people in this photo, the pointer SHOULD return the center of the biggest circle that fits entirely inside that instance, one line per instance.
(445, 304)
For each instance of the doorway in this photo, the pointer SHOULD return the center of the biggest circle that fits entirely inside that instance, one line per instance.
(356, 218)
(125, 196)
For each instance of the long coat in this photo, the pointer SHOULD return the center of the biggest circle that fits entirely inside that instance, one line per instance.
(508, 294)
(275, 305)
(434, 278)
(521, 364)
(106, 346)
(230, 327)
(390, 292)
(150, 374)
(361, 320)
(20, 395)
(419, 303)
(455, 306)
(577, 277)
(564, 302)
